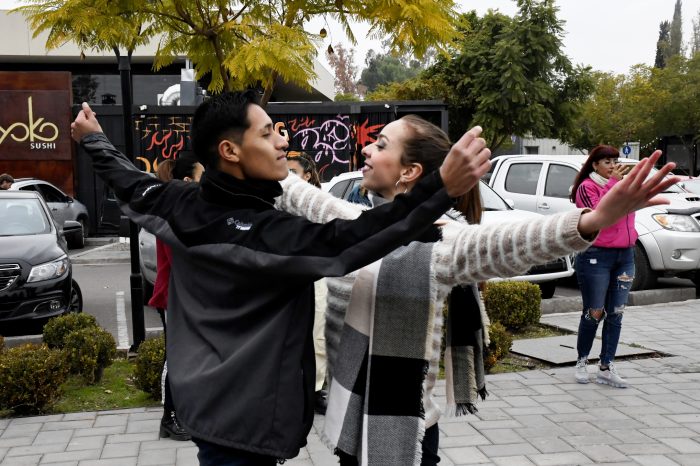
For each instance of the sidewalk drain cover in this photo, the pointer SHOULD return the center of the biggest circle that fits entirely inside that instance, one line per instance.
(562, 349)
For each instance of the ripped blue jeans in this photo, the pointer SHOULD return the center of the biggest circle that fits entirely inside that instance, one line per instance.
(604, 277)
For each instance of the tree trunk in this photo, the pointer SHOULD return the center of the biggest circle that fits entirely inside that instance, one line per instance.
(268, 90)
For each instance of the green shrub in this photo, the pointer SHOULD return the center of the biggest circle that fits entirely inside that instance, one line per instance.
(56, 329)
(31, 378)
(2, 343)
(499, 347)
(89, 351)
(513, 304)
(149, 366)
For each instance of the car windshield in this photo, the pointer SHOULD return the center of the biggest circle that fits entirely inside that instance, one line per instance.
(674, 188)
(490, 199)
(22, 217)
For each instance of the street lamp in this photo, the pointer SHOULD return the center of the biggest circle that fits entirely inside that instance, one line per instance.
(137, 323)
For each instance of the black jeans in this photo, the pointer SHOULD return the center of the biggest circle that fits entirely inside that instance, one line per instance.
(430, 450)
(211, 454)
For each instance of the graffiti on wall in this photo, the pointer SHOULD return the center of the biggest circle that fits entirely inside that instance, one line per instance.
(160, 137)
(334, 141)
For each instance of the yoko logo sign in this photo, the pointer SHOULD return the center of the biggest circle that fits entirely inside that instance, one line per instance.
(34, 125)
(33, 130)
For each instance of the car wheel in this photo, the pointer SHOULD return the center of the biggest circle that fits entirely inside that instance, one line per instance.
(76, 298)
(86, 228)
(644, 276)
(76, 241)
(547, 289)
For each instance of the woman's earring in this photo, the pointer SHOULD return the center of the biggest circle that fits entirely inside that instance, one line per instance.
(397, 186)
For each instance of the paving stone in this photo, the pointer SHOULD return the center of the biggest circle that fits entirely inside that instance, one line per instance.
(668, 432)
(141, 437)
(556, 459)
(651, 448)
(465, 455)
(63, 425)
(653, 460)
(512, 461)
(86, 443)
(120, 450)
(502, 436)
(77, 455)
(110, 462)
(35, 419)
(550, 445)
(56, 436)
(682, 445)
(162, 443)
(157, 457)
(21, 430)
(146, 416)
(463, 441)
(16, 441)
(137, 427)
(79, 416)
(455, 429)
(111, 420)
(35, 449)
(112, 430)
(602, 453)
(686, 460)
(509, 449)
(30, 460)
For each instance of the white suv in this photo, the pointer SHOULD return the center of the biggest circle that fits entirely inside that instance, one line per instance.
(669, 236)
(495, 210)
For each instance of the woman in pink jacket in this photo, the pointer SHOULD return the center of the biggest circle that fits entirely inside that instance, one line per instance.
(605, 271)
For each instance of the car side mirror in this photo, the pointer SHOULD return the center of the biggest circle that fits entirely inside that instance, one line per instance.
(71, 226)
(69, 199)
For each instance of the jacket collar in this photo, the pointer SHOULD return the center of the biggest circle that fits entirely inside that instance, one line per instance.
(221, 188)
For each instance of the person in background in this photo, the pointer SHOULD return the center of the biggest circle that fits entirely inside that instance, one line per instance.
(187, 169)
(605, 271)
(304, 167)
(6, 181)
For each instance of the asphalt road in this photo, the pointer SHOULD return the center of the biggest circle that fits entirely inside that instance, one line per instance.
(100, 285)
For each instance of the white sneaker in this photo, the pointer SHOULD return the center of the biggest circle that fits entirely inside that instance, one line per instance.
(611, 377)
(582, 371)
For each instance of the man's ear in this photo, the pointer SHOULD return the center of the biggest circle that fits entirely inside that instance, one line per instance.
(411, 173)
(229, 151)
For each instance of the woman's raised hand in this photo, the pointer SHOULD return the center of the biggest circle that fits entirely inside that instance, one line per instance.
(633, 192)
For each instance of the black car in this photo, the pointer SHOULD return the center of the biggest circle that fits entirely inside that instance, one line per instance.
(35, 271)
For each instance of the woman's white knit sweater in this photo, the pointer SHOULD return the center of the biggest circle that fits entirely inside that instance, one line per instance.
(465, 254)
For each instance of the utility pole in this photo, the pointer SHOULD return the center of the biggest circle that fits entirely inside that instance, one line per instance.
(137, 322)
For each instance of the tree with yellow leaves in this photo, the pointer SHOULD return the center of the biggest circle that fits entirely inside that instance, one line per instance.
(241, 44)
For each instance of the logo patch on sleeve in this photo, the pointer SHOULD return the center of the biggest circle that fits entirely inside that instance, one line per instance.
(238, 224)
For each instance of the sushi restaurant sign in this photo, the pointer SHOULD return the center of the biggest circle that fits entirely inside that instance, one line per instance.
(35, 125)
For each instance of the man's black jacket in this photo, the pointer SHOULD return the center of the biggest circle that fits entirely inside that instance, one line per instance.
(241, 296)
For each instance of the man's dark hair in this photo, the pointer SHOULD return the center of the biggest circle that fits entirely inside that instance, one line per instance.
(222, 116)
(6, 177)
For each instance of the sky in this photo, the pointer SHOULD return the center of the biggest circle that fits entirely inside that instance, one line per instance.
(609, 35)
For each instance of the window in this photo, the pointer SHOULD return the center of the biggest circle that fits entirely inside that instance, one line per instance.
(522, 178)
(532, 149)
(339, 189)
(51, 194)
(560, 179)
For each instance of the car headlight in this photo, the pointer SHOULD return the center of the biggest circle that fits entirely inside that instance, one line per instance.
(676, 222)
(49, 270)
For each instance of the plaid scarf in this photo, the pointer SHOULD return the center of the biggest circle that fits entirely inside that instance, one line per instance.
(375, 409)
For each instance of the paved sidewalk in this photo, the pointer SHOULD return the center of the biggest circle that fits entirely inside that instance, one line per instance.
(530, 418)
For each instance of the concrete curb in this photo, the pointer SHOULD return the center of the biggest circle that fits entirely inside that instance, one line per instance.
(636, 298)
